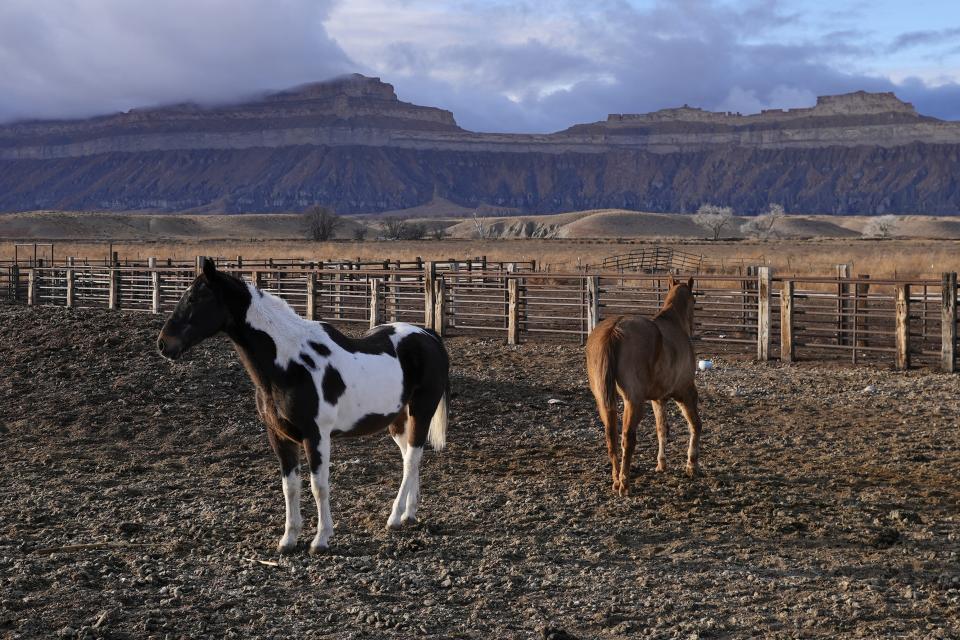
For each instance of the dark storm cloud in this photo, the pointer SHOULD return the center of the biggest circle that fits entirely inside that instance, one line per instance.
(63, 59)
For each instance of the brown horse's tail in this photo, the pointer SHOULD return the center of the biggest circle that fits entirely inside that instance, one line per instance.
(602, 346)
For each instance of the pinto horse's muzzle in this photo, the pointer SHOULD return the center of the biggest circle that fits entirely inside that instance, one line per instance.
(170, 348)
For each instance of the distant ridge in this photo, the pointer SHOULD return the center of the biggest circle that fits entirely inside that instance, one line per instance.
(353, 144)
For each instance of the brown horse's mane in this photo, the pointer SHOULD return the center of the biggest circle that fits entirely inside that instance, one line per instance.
(674, 302)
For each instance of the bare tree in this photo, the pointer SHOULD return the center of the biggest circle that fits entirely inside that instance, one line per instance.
(713, 218)
(881, 227)
(319, 223)
(481, 229)
(438, 232)
(394, 228)
(762, 226)
(415, 231)
(360, 232)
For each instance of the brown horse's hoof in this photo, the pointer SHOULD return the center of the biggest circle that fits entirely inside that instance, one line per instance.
(692, 471)
(661, 467)
(624, 489)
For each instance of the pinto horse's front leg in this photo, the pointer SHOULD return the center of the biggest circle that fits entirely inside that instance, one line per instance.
(290, 470)
(318, 455)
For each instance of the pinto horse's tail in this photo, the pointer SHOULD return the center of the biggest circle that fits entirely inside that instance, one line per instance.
(437, 434)
(438, 425)
(602, 347)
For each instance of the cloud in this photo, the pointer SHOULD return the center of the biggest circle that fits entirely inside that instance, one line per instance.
(923, 38)
(499, 65)
(63, 58)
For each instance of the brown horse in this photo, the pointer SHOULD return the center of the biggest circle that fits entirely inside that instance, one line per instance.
(644, 360)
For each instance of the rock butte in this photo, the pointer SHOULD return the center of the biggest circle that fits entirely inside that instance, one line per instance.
(353, 144)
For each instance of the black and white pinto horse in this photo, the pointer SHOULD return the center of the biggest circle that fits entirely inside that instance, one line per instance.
(313, 383)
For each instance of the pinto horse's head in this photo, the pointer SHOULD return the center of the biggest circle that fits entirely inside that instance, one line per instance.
(201, 312)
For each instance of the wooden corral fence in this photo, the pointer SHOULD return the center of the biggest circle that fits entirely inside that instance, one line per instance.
(900, 322)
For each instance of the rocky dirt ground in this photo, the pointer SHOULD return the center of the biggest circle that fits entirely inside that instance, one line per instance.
(139, 499)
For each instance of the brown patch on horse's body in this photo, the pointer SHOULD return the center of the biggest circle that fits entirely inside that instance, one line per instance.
(645, 360)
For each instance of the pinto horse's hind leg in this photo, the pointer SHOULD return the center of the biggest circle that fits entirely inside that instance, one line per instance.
(663, 432)
(688, 406)
(290, 471)
(406, 433)
(318, 455)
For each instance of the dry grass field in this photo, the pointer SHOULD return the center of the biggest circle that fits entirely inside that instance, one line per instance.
(816, 245)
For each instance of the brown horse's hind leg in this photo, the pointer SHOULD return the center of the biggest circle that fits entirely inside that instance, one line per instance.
(688, 406)
(632, 413)
(663, 432)
(609, 418)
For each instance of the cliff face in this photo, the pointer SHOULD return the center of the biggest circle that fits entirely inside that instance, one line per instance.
(352, 144)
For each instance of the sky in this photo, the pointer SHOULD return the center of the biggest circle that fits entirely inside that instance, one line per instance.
(499, 65)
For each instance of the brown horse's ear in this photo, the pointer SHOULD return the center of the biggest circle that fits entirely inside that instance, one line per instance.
(670, 281)
(209, 269)
(690, 283)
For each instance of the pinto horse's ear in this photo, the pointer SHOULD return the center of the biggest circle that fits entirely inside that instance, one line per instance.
(209, 269)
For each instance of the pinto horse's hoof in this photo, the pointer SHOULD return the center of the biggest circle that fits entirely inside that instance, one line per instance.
(316, 550)
(408, 521)
(286, 549)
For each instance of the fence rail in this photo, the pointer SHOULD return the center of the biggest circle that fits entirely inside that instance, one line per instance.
(901, 322)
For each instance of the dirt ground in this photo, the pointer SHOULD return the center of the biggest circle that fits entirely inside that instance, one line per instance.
(825, 509)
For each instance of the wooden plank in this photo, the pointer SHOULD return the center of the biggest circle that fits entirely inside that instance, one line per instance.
(311, 310)
(154, 285)
(843, 303)
(763, 313)
(70, 285)
(948, 323)
(439, 306)
(903, 326)
(15, 281)
(786, 321)
(376, 295)
(113, 289)
(513, 314)
(593, 303)
(429, 274)
(861, 313)
(32, 287)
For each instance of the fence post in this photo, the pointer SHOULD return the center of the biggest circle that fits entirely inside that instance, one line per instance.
(32, 287)
(948, 323)
(113, 297)
(861, 313)
(154, 285)
(513, 311)
(843, 303)
(430, 271)
(69, 295)
(903, 326)
(454, 268)
(312, 295)
(256, 278)
(593, 302)
(15, 281)
(199, 265)
(786, 321)
(376, 294)
(763, 313)
(439, 306)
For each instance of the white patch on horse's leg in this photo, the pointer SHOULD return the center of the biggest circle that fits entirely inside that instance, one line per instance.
(412, 471)
(399, 503)
(294, 521)
(320, 484)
